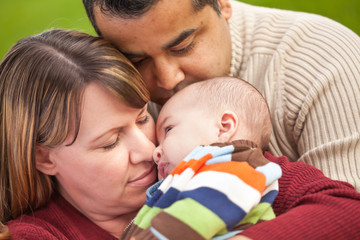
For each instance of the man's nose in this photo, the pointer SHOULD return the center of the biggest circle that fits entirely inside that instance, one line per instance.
(168, 73)
(157, 154)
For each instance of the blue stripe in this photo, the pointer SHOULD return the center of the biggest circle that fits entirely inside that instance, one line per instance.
(269, 197)
(217, 202)
(168, 198)
(272, 172)
(227, 235)
(154, 198)
(151, 190)
(158, 234)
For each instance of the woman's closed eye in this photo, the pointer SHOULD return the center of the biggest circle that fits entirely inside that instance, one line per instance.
(112, 145)
(145, 119)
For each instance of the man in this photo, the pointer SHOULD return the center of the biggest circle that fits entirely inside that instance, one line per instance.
(306, 66)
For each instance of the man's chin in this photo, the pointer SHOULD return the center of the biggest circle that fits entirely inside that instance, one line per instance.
(160, 101)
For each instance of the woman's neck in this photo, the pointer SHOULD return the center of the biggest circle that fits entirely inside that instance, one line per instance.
(113, 224)
(116, 226)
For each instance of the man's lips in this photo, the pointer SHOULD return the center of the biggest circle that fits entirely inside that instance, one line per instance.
(161, 101)
(145, 179)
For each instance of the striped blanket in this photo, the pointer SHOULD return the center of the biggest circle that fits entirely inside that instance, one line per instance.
(214, 193)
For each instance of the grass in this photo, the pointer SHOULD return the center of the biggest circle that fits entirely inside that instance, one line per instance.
(21, 18)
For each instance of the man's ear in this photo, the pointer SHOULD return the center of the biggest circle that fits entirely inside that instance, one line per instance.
(228, 126)
(43, 162)
(225, 8)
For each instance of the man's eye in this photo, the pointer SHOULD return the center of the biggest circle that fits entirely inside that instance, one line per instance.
(137, 61)
(184, 50)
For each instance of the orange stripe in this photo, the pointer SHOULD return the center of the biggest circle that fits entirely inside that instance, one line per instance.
(194, 164)
(242, 170)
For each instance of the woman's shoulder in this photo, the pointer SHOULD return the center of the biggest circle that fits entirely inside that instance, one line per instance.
(44, 223)
(30, 227)
(57, 220)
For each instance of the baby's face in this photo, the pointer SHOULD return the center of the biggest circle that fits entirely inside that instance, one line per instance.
(180, 128)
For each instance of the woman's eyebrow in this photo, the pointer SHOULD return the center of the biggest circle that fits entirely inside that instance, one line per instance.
(142, 110)
(108, 132)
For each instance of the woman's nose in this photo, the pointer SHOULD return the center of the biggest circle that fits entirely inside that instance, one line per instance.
(141, 148)
(157, 154)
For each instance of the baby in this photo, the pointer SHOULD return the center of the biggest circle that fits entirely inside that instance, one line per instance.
(218, 189)
(217, 110)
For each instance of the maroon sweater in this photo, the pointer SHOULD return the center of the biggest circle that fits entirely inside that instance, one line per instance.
(59, 220)
(308, 206)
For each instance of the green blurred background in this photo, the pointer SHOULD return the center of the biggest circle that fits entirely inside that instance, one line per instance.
(20, 18)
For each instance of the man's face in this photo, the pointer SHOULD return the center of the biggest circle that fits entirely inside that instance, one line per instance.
(172, 45)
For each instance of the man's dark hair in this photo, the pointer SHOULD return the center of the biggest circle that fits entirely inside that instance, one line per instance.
(130, 9)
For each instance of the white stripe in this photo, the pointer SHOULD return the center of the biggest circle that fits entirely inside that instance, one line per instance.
(234, 188)
(177, 181)
(272, 186)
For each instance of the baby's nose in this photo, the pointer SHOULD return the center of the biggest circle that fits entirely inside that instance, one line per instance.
(157, 154)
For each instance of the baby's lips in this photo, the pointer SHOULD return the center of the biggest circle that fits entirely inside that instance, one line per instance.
(163, 169)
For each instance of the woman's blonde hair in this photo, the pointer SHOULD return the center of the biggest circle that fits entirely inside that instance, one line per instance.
(41, 83)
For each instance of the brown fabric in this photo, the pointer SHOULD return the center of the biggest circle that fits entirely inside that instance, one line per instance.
(165, 224)
(247, 151)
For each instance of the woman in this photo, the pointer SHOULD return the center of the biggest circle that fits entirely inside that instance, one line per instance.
(56, 88)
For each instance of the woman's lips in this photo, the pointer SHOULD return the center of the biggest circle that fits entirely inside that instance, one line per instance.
(145, 179)
(163, 169)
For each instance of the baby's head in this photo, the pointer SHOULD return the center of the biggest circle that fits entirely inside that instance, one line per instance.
(221, 109)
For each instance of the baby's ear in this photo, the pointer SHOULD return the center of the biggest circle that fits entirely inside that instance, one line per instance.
(43, 162)
(228, 126)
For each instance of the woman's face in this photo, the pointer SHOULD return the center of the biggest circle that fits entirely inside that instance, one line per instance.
(106, 171)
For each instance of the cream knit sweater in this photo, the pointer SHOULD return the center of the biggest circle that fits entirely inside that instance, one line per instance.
(308, 69)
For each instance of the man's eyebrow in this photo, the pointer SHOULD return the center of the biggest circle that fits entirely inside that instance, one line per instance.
(179, 38)
(171, 44)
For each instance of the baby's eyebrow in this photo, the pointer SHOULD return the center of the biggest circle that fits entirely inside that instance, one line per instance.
(161, 124)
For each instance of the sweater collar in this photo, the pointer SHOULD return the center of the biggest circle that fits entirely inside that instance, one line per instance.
(236, 25)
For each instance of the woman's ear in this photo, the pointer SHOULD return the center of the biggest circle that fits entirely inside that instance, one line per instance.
(43, 162)
(228, 126)
(225, 8)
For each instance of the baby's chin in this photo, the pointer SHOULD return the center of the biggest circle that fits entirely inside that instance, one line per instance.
(160, 177)
(163, 170)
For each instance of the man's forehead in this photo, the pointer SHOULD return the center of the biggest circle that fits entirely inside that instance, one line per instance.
(148, 30)
(163, 14)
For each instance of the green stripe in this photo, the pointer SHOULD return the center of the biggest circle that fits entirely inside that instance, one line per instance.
(143, 218)
(200, 218)
(262, 211)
